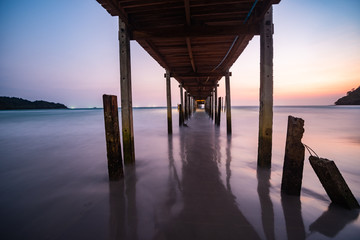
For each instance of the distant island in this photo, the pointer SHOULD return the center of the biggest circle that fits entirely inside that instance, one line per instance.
(13, 103)
(352, 98)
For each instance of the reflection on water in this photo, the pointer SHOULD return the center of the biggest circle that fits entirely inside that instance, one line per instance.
(117, 222)
(293, 217)
(333, 220)
(209, 210)
(267, 211)
(195, 184)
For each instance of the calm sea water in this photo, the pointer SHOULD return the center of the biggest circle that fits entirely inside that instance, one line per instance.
(53, 174)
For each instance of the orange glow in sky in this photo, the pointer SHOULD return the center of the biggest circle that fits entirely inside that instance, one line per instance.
(73, 58)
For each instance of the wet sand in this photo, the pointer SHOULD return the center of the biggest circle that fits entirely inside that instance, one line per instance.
(197, 184)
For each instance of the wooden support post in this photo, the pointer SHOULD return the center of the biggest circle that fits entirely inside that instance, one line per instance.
(333, 182)
(168, 102)
(211, 105)
(181, 95)
(228, 104)
(181, 112)
(294, 157)
(219, 112)
(192, 105)
(126, 94)
(222, 104)
(181, 116)
(189, 104)
(207, 105)
(112, 135)
(215, 98)
(266, 91)
(186, 106)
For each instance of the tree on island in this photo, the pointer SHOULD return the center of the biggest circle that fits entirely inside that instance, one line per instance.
(352, 98)
(11, 103)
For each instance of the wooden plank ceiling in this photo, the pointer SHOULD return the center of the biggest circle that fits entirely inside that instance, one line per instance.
(196, 40)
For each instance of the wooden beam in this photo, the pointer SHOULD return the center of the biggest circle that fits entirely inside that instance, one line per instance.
(266, 92)
(126, 94)
(196, 31)
(114, 10)
(266, 5)
(188, 44)
(187, 12)
(198, 75)
(156, 54)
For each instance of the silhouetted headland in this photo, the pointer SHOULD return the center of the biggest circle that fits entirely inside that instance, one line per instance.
(352, 98)
(12, 103)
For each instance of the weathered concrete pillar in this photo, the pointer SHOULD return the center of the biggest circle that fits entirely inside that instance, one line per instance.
(112, 135)
(266, 91)
(228, 103)
(294, 157)
(219, 113)
(168, 102)
(333, 182)
(126, 94)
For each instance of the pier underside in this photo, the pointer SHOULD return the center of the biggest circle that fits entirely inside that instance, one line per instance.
(197, 41)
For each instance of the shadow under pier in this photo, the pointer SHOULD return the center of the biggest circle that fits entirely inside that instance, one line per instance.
(209, 208)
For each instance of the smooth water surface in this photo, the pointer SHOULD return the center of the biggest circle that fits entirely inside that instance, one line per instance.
(196, 184)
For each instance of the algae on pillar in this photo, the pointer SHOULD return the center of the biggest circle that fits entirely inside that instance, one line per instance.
(266, 91)
(126, 94)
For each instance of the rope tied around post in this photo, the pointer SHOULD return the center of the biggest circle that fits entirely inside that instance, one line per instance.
(310, 150)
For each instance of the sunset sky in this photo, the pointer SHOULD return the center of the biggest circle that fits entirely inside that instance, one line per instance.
(67, 51)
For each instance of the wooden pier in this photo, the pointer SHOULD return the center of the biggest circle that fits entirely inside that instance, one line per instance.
(196, 42)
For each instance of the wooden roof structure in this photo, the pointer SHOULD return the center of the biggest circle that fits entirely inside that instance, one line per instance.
(197, 41)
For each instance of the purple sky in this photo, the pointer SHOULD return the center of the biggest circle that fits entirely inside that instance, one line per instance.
(67, 51)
